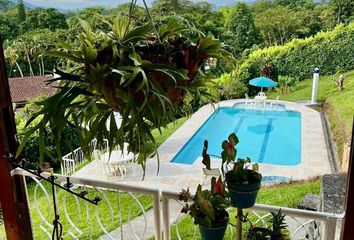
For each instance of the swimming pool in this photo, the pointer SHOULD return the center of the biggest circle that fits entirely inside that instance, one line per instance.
(266, 136)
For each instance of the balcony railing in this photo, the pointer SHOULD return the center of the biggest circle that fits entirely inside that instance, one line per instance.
(304, 224)
(75, 159)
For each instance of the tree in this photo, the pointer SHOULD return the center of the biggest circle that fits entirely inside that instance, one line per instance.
(279, 25)
(165, 8)
(8, 26)
(242, 32)
(204, 18)
(12, 57)
(6, 5)
(21, 11)
(343, 10)
(296, 4)
(49, 18)
(26, 46)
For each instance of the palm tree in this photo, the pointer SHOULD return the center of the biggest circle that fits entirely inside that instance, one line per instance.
(26, 47)
(12, 56)
(37, 52)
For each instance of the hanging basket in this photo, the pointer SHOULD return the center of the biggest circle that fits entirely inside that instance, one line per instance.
(243, 195)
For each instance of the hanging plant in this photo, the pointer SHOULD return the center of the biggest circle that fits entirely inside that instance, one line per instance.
(142, 72)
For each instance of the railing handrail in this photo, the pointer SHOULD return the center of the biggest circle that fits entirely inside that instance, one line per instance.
(271, 208)
(72, 152)
(330, 219)
(155, 193)
(92, 182)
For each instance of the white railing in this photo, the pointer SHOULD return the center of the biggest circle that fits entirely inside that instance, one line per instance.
(303, 224)
(75, 159)
(73, 218)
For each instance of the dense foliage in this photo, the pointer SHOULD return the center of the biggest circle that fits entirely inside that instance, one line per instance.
(242, 32)
(327, 50)
(30, 150)
(264, 23)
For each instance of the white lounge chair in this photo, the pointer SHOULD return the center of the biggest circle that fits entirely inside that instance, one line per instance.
(212, 172)
(248, 100)
(275, 102)
(261, 98)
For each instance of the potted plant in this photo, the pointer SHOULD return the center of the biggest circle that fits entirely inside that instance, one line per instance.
(208, 209)
(278, 229)
(243, 179)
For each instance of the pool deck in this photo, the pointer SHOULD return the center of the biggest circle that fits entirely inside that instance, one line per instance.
(174, 176)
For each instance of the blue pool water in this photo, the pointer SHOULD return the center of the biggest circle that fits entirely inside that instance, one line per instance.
(272, 137)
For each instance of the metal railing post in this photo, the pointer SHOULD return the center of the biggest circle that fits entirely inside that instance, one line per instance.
(157, 215)
(329, 230)
(166, 217)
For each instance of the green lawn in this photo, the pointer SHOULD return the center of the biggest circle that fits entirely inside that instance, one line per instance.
(285, 195)
(78, 215)
(338, 105)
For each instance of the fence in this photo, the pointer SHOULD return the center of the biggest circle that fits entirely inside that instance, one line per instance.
(117, 203)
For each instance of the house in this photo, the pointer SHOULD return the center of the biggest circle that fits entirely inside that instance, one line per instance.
(24, 89)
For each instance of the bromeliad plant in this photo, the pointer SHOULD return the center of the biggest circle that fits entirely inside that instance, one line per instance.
(242, 170)
(209, 206)
(142, 72)
(243, 179)
(277, 229)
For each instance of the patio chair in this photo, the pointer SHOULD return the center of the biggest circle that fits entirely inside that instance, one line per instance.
(212, 172)
(248, 100)
(275, 102)
(117, 162)
(261, 98)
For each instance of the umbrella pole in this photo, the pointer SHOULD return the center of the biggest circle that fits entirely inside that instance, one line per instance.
(262, 89)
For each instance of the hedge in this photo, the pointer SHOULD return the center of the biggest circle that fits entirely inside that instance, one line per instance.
(329, 51)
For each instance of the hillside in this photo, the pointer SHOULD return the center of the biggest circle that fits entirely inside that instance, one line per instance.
(338, 105)
(6, 5)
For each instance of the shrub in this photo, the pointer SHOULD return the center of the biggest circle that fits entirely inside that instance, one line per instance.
(327, 50)
(31, 149)
(230, 87)
(286, 83)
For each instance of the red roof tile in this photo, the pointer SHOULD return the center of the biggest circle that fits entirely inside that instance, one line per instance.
(27, 88)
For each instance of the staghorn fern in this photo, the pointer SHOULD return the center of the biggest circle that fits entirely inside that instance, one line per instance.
(121, 71)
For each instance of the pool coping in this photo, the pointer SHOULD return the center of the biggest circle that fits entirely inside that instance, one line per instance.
(314, 152)
(164, 175)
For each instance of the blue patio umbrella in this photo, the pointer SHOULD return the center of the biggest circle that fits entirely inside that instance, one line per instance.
(262, 82)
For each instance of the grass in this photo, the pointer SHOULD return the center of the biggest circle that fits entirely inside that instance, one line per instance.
(338, 105)
(284, 195)
(161, 137)
(78, 212)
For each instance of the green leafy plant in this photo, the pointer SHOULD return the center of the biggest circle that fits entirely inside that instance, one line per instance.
(299, 57)
(259, 234)
(209, 206)
(240, 171)
(276, 229)
(142, 72)
(30, 149)
(287, 83)
(279, 227)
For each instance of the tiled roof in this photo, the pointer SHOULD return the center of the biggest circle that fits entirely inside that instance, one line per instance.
(24, 89)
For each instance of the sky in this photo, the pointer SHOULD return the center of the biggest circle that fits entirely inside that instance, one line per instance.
(77, 4)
